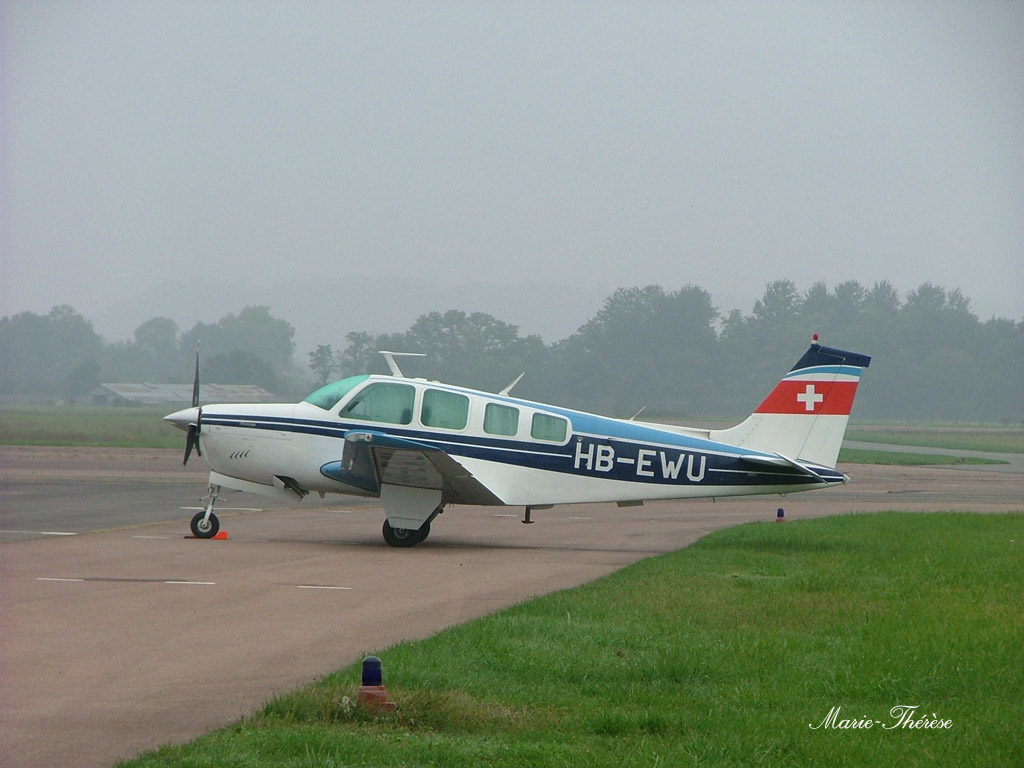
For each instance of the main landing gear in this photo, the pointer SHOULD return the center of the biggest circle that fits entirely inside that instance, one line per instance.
(408, 537)
(404, 537)
(205, 524)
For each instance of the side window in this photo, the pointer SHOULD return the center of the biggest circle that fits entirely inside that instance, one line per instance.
(545, 427)
(501, 419)
(446, 410)
(382, 401)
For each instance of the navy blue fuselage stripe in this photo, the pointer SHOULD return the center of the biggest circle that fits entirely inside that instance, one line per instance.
(659, 462)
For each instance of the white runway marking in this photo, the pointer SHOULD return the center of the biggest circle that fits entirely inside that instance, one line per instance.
(151, 537)
(316, 586)
(50, 578)
(43, 533)
(197, 583)
(228, 509)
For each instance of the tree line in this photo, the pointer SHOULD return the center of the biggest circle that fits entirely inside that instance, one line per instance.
(670, 352)
(61, 355)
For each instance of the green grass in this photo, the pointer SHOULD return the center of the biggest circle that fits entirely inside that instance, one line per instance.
(863, 456)
(90, 426)
(720, 654)
(145, 428)
(979, 438)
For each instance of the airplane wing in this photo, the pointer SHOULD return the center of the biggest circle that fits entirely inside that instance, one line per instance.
(371, 459)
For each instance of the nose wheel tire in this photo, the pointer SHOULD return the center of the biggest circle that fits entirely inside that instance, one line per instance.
(404, 537)
(205, 529)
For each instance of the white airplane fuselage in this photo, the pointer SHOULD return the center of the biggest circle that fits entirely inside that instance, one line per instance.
(419, 445)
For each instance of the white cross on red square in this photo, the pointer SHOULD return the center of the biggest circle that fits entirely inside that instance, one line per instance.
(810, 398)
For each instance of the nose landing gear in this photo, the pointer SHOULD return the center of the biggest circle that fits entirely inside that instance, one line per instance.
(205, 524)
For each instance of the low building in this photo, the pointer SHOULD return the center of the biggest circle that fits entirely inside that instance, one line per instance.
(176, 394)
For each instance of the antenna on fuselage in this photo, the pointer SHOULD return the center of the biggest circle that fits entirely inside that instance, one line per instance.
(515, 381)
(390, 358)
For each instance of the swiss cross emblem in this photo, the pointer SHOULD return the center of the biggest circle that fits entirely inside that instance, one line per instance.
(810, 398)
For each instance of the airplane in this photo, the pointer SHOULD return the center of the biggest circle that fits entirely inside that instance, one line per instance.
(420, 445)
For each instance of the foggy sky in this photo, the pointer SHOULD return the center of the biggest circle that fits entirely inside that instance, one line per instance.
(152, 146)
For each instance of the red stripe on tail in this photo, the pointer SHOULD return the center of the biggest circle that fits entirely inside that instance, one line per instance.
(810, 398)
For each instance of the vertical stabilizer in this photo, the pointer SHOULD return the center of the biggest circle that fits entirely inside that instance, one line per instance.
(805, 416)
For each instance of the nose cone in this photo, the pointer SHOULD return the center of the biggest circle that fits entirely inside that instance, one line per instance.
(182, 419)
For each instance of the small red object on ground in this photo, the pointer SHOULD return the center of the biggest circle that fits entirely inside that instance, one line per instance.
(374, 697)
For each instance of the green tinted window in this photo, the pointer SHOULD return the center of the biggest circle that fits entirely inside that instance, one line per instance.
(384, 402)
(501, 419)
(545, 427)
(447, 410)
(329, 396)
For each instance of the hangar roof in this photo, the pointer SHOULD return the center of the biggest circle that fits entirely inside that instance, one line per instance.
(173, 394)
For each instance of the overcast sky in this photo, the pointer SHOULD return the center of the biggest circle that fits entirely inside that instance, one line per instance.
(583, 144)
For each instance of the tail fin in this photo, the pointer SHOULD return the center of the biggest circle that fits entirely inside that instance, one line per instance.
(805, 416)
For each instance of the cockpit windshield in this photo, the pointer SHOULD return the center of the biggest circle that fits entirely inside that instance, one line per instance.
(330, 395)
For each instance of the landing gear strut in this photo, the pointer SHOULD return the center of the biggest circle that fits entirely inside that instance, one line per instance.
(205, 524)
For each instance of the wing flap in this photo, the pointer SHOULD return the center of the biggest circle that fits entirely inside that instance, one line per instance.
(372, 459)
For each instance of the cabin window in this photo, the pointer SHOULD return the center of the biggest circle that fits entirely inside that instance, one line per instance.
(501, 419)
(382, 401)
(329, 396)
(445, 410)
(546, 427)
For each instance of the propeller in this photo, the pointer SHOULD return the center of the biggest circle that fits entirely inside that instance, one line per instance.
(192, 439)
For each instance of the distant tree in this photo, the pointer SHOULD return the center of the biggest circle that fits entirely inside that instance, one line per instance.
(780, 303)
(939, 336)
(1000, 366)
(157, 339)
(360, 354)
(475, 349)
(932, 358)
(645, 348)
(153, 355)
(38, 352)
(81, 379)
(240, 367)
(817, 304)
(323, 363)
(253, 330)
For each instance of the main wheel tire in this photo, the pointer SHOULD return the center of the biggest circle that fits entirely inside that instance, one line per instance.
(423, 532)
(403, 537)
(205, 529)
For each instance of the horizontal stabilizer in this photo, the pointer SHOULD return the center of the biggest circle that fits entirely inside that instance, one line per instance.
(778, 460)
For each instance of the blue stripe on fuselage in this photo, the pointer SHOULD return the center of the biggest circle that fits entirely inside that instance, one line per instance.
(623, 451)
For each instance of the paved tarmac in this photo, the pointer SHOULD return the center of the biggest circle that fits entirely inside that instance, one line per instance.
(119, 634)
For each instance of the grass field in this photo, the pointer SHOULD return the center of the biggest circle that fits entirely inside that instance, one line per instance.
(976, 438)
(82, 426)
(721, 654)
(894, 458)
(145, 428)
